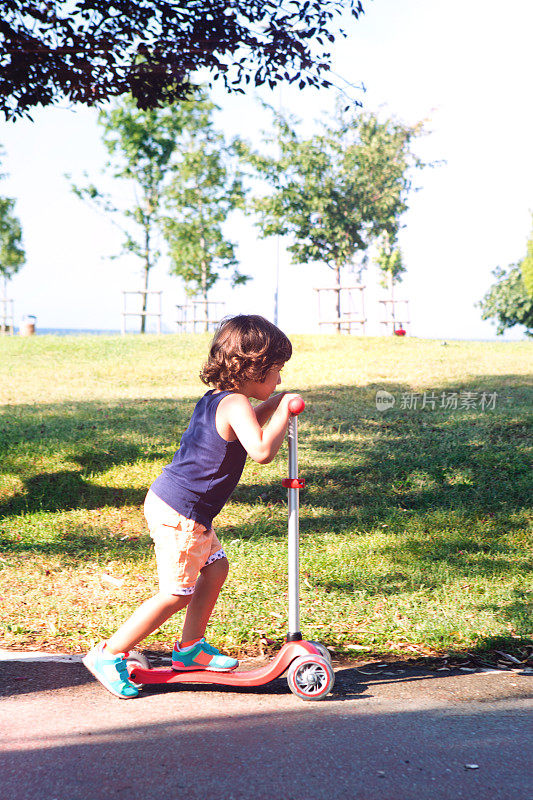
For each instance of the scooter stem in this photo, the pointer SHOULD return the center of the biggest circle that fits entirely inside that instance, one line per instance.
(294, 536)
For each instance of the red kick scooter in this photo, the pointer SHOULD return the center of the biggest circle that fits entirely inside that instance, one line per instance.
(310, 674)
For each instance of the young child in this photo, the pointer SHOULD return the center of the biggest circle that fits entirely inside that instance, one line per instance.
(245, 360)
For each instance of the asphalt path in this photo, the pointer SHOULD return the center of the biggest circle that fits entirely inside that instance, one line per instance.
(389, 732)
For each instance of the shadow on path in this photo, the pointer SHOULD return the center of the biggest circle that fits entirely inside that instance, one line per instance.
(205, 745)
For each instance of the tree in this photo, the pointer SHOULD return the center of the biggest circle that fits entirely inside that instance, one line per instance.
(507, 301)
(526, 267)
(184, 182)
(339, 190)
(143, 146)
(390, 262)
(205, 188)
(92, 50)
(12, 255)
(510, 299)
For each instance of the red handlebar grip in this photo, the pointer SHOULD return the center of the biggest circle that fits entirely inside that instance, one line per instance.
(296, 405)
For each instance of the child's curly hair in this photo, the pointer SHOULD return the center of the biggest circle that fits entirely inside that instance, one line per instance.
(244, 348)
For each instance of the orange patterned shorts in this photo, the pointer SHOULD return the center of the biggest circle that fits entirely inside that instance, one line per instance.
(182, 546)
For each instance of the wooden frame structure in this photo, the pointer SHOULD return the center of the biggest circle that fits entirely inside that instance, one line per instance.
(125, 313)
(189, 315)
(351, 316)
(393, 318)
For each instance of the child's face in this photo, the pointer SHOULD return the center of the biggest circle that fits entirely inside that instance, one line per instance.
(261, 390)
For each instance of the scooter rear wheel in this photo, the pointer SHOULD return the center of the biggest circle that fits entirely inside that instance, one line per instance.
(136, 659)
(310, 677)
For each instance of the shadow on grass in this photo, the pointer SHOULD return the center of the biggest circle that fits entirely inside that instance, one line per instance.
(91, 438)
(78, 543)
(361, 465)
(368, 463)
(64, 491)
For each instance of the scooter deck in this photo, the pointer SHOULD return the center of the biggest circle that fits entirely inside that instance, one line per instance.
(256, 677)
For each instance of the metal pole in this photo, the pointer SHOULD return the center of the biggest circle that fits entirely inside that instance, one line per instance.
(294, 536)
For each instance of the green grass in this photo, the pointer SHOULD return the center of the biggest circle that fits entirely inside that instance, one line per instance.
(415, 523)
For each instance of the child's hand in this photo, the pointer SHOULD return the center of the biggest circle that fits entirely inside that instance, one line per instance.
(296, 406)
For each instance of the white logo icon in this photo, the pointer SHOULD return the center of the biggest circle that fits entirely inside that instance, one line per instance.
(384, 400)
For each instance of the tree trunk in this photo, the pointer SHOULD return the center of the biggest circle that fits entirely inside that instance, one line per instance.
(147, 266)
(391, 287)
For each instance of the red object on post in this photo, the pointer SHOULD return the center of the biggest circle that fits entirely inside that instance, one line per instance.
(399, 332)
(293, 483)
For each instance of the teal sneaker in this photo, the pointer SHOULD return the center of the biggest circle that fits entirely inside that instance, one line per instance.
(202, 656)
(111, 670)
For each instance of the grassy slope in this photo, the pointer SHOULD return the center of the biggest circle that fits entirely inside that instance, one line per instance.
(414, 523)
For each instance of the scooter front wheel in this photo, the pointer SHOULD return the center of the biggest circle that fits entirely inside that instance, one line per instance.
(136, 659)
(310, 677)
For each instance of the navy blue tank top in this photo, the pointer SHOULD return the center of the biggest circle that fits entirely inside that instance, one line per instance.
(206, 468)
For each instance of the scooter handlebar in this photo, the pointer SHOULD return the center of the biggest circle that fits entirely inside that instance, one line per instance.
(296, 406)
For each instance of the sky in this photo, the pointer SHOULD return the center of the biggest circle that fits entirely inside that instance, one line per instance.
(464, 66)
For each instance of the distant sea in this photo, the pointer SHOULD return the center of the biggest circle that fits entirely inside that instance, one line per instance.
(93, 332)
(72, 332)
(79, 332)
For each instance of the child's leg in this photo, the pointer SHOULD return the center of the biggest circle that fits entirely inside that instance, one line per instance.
(194, 652)
(156, 610)
(208, 586)
(148, 617)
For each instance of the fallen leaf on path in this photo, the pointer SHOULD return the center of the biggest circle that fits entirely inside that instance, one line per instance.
(111, 581)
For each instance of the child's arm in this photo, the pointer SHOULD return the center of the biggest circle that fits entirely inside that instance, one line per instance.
(264, 410)
(261, 444)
